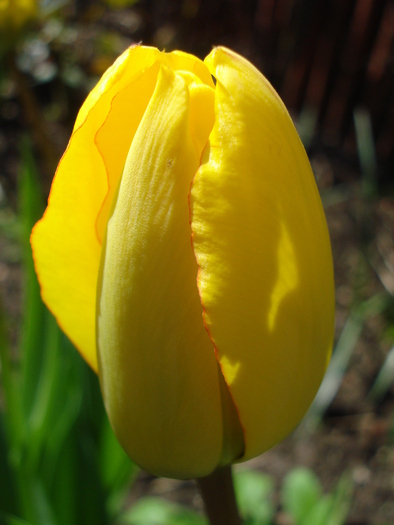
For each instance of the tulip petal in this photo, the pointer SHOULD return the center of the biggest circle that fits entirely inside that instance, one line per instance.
(179, 60)
(157, 367)
(263, 251)
(114, 137)
(65, 243)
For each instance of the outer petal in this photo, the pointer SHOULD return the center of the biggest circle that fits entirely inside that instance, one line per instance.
(157, 367)
(65, 242)
(261, 242)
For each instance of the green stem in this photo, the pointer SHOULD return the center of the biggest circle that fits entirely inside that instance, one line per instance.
(217, 491)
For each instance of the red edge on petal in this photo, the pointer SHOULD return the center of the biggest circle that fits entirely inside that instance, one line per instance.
(106, 173)
(59, 323)
(46, 210)
(75, 131)
(204, 314)
(42, 287)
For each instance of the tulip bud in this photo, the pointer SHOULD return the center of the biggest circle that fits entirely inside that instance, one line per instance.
(185, 252)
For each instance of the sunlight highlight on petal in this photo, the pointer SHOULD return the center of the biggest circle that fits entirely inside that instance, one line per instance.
(262, 246)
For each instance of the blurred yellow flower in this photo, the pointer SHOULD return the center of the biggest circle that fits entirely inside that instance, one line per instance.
(15, 14)
(185, 252)
(120, 3)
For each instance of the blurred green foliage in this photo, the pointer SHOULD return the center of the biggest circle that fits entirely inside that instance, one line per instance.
(60, 463)
(304, 501)
(302, 498)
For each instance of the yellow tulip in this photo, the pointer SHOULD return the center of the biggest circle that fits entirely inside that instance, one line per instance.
(185, 252)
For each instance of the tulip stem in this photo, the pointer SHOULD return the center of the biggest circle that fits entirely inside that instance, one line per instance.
(217, 491)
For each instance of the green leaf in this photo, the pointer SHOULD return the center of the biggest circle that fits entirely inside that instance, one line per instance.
(366, 151)
(155, 511)
(301, 491)
(342, 499)
(116, 468)
(7, 488)
(341, 356)
(385, 378)
(8, 519)
(320, 513)
(253, 492)
(44, 510)
(58, 474)
(31, 207)
(13, 418)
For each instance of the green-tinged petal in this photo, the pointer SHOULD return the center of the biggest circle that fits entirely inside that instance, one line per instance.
(157, 366)
(66, 244)
(264, 257)
(114, 137)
